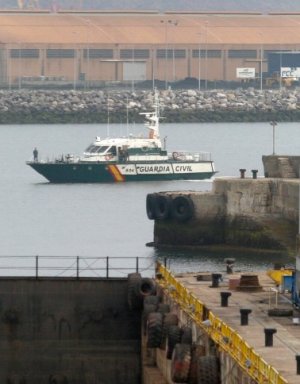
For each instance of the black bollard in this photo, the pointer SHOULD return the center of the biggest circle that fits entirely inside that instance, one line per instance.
(229, 265)
(243, 171)
(269, 336)
(254, 173)
(224, 298)
(298, 364)
(244, 316)
(215, 277)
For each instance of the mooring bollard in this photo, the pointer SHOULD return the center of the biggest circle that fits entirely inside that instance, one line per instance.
(224, 298)
(243, 171)
(229, 265)
(298, 364)
(269, 336)
(254, 173)
(215, 277)
(244, 316)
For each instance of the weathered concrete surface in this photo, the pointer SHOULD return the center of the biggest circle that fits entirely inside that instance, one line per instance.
(68, 332)
(255, 213)
(281, 166)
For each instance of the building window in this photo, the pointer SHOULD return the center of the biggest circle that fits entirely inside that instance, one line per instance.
(242, 53)
(24, 53)
(206, 53)
(170, 53)
(98, 53)
(61, 53)
(134, 54)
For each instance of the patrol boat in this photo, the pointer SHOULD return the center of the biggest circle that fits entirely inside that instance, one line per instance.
(128, 159)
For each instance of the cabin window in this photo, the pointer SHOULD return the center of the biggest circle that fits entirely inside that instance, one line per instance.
(113, 150)
(102, 148)
(93, 149)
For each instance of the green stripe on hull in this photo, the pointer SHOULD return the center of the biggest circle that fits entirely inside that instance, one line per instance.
(105, 173)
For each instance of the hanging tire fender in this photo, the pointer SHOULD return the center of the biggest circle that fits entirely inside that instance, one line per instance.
(162, 207)
(151, 206)
(182, 208)
(134, 301)
(181, 362)
(145, 287)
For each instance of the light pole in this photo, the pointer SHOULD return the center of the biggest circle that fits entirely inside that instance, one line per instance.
(199, 65)
(74, 64)
(206, 24)
(9, 62)
(19, 81)
(153, 72)
(261, 71)
(273, 123)
(166, 50)
(261, 62)
(132, 80)
(166, 23)
(87, 77)
(280, 65)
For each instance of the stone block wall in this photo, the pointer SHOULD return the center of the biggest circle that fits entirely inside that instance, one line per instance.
(65, 331)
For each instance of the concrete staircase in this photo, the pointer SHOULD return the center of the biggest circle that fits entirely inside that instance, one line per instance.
(285, 168)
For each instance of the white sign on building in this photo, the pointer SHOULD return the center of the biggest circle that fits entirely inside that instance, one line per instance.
(245, 73)
(290, 72)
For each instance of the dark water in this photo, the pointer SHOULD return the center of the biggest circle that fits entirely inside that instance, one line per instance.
(38, 218)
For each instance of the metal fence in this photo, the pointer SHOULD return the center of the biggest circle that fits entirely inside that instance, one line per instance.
(74, 266)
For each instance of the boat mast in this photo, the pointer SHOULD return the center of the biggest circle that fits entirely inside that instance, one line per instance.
(107, 128)
(152, 118)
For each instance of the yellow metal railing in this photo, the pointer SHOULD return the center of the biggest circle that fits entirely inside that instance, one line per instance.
(223, 335)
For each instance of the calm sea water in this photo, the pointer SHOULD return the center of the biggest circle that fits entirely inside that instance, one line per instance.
(99, 220)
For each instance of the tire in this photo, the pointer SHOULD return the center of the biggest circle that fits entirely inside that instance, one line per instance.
(151, 206)
(145, 287)
(163, 308)
(197, 351)
(208, 371)
(151, 299)
(173, 338)
(180, 365)
(148, 308)
(134, 301)
(168, 320)
(182, 208)
(162, 207)
(154, 330)
(280, 312)
(187, 337)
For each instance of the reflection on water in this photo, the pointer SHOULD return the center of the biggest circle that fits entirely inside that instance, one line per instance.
(212, 260)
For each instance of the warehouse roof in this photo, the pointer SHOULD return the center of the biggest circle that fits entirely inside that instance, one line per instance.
(136, 28)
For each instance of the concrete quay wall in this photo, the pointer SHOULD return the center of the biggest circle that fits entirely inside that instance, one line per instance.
(255, 213)
(66, 331)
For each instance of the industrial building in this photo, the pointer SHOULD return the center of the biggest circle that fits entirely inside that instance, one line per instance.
(93, 48)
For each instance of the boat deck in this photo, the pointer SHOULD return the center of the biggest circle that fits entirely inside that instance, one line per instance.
(286, 341)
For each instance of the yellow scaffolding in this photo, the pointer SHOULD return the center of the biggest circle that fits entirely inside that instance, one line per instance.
(223, 335)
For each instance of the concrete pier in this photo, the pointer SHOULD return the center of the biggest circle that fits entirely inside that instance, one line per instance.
(249, 212)
(244, 354)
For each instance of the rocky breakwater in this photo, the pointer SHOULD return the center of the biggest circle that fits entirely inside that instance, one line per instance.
(252, 213)
(37, 106)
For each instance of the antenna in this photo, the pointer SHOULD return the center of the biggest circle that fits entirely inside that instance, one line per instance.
(127, 123)
(107, 128)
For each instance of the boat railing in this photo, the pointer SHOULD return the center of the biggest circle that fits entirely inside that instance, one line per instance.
(74, 266)
(190, 156)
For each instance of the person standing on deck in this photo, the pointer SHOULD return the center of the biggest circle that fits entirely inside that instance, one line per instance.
(35, 154)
